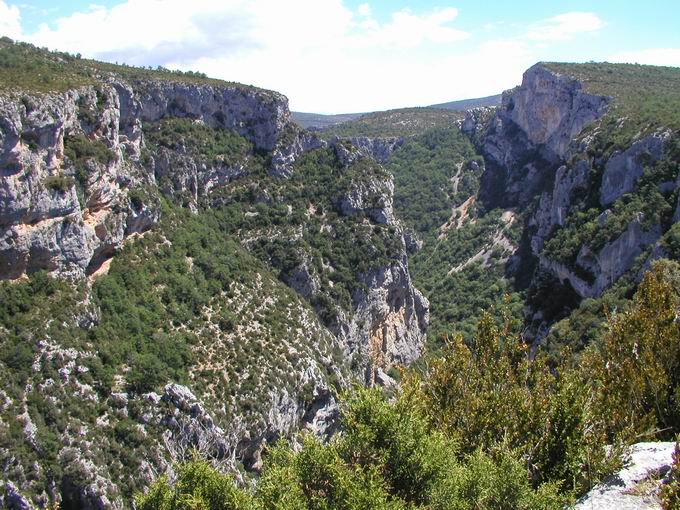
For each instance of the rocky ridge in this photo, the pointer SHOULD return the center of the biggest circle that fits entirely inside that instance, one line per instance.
(545, 152)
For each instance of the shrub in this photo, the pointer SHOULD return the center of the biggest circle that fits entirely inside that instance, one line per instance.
(60, 183)
(670, 491)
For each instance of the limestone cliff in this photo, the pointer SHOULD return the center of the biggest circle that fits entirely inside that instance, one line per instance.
(56, 217)
(84, 173)
(549, 153)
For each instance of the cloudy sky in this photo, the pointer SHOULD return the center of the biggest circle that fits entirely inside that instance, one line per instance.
(333, 56)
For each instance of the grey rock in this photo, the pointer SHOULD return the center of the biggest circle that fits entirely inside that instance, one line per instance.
(50, 229)
(554, 208)
(613, 260)
(531, 134)
(258, 115)
(551, 109)
(391, 319)
(623, 169)
(636, 486)
(380, 149)
(374, 198)
(290, 148)
(12, 499)
(303, 280)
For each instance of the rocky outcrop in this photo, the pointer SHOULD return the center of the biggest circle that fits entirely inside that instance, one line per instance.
(390, 321)
(531, 133)
(51, 216)
(623, 169)
(258, 115)
(553, 208)
(179, 174)
(380, 149)
(551, 109)
(59, 218)
(373, 197)
(607, 265)
(637, 485)
(295, 143)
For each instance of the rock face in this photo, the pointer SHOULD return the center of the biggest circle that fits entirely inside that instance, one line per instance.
(530, 135)
(636, 486)
(612, 261)
(541, 160)
(54, 217)
(394, 315)
(380, 149)
(295, 144)
(554, 207)
(551, 109)
(624, 168)
(374, 198)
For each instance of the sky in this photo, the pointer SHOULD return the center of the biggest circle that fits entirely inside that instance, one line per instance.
(341, 56)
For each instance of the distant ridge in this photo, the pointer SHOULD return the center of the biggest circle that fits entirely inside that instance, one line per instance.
(467, 104)
(320, 121)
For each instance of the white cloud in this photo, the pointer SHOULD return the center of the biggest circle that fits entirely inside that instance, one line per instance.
(565, 26)
(10, 20)
(324, 56)
(652, 56)
(407, 30)
(321, 54)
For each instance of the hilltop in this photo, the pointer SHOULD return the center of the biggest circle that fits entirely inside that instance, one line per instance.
(322, 122)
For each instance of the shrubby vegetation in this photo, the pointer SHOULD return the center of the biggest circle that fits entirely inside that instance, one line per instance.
(424, 169)
(403, 122)
(298, 224)
(485, 426)
(26, 67)
(197, 139)
(670, 492)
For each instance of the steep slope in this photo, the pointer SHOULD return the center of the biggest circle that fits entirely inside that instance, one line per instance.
(589, 154)
(574, 194)
(216, 276)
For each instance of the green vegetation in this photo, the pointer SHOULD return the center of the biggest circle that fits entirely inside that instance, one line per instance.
(432, 175)
(435, 173)
(485, 426)
(174, 306)
(305, 228)
(60, 183)
(197, 139)
(587, 227)
(670, 492)
(403, 122)
(24, 67)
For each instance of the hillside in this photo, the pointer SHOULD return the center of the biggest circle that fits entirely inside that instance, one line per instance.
(320, 121)
(183, 268)
(516, 222)
(196, 293)
(400, 123)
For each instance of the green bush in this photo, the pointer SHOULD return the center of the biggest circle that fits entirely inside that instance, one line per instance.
(60, 183)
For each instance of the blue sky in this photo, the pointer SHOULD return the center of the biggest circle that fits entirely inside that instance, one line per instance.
(335, 56)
